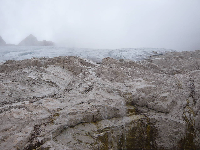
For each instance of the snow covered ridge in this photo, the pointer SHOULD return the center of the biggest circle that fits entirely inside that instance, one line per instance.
(27, 52)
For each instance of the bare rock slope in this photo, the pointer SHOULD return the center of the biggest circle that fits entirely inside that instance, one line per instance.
(72, 103)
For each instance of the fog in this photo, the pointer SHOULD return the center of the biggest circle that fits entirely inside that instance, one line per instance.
(173, 24)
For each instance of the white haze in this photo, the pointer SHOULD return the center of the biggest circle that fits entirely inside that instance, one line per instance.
(172, 24)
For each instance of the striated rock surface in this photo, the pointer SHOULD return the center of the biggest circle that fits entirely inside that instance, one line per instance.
(32, 41)
(72, 103)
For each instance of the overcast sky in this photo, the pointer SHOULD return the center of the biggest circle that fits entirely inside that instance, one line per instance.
(173, 24)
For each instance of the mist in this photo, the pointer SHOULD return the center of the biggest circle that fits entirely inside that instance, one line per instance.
(172, 24)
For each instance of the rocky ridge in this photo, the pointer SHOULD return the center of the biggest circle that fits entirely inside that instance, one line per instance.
(73, 103)
(28, 41)
(2, 42)
(32, 41)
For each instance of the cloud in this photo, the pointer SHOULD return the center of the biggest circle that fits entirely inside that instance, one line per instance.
(104, 24)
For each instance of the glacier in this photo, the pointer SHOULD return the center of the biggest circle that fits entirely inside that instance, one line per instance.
(96, 55)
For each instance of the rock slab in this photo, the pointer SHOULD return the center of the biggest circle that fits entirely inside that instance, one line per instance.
(74, 103)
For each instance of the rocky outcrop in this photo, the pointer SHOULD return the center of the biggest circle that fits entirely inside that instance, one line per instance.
(32, 41)
(72, 103)
(2, 42)
(46, 43)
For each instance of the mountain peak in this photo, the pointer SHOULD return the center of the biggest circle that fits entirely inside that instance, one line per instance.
(2, 42)
(29, 41)
(31, 35)
(32, 41)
